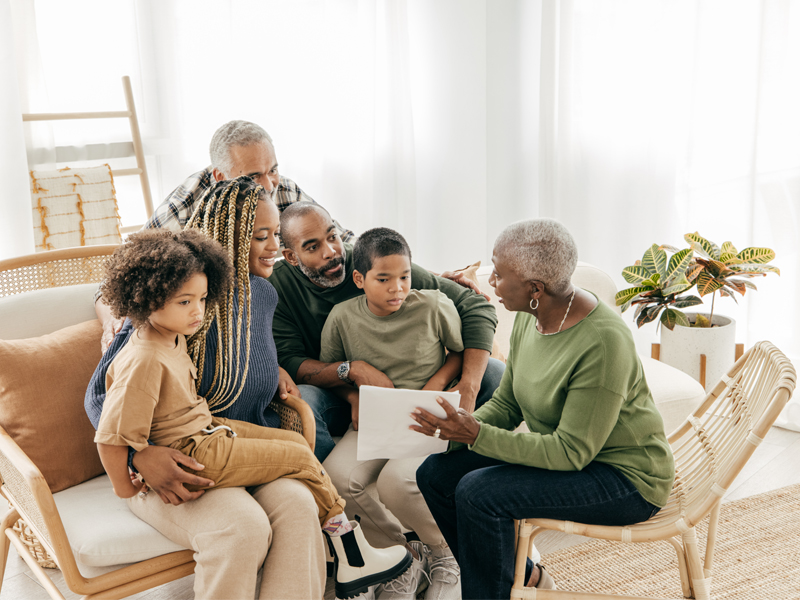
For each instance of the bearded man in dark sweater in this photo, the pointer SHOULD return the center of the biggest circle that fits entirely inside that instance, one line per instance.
(317, 274)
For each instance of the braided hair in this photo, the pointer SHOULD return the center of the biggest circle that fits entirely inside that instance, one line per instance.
(226, 213)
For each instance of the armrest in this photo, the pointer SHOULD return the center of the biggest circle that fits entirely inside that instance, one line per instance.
(297, 416)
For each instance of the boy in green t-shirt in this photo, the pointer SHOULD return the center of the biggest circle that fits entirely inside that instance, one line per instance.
(405, 334)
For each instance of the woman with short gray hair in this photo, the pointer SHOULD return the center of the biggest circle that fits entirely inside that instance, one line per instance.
(595, 452)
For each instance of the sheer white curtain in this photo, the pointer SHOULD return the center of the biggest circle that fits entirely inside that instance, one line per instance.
(664, 118)
(633, 121)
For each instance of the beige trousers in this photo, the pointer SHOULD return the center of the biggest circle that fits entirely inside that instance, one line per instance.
(396, 482)
(234, 534)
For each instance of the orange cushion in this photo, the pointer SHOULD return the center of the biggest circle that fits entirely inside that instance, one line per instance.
(42, 385)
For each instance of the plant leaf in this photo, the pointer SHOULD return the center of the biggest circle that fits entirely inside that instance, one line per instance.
(687, 301)
(676, 268)
(626, 296)
(702, 246)
(649, 315)
(757, 256)
(693, 270)
(635, 274)
(728, 248)
(754, 268)
(706, 284)
(676, 288)
(736, 285)
(672, 317)
(655, 260)
(669, 248)
(729, 258)
(701, 321)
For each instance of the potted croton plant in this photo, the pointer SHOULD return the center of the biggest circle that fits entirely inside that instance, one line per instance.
(663, 285)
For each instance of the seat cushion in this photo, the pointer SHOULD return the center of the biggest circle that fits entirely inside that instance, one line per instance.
(42, 385)
(675, 393)
(103, 531)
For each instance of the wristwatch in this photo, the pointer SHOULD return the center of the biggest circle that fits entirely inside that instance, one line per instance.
(343, 371)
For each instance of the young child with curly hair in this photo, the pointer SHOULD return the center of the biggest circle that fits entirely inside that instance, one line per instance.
(167, 284)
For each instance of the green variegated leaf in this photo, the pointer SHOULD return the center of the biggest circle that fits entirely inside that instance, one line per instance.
(726, 292)
(701, 321)
(639, 310)
(672, 317)
(676, 268)
(753, 268)
(687, 301)
(652, 282)
(655, 260)
(625, 296)
(707, 284)
(679, 286)
(728, 248)
(669, 248)
(635, 274)
(717, 269)
(625, 306)
(702, 246)
(729, 258)
(757, 256)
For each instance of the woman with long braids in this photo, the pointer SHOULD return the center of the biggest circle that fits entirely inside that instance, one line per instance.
(234, 532)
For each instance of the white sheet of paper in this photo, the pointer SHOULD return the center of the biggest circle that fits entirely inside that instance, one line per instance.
(384, 415)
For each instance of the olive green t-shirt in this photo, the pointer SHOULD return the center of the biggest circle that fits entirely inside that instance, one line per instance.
(407, 345)
(583, 395)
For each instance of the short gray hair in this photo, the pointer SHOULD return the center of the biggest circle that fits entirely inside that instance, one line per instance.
(539, 250)
(234, 133)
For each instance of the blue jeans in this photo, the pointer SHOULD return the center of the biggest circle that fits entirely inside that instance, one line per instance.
(474, 500)
(332, 414)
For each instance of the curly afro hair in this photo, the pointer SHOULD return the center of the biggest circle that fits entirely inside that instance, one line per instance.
(152, 265)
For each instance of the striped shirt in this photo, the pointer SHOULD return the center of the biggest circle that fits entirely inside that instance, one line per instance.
(174, 212)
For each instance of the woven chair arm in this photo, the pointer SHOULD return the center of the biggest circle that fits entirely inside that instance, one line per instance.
(297, 416)
(26, 489)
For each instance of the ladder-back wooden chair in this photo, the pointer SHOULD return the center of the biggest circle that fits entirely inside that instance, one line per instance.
(711, 447)
(33, 523)
(133, 148)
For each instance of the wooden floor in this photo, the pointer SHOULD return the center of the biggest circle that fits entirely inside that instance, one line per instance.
(773, 466)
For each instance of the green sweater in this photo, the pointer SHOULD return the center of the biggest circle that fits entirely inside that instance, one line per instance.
(583, 395)
(304, 306)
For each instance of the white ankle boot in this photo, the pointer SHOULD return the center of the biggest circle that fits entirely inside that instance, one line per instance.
(357, 565)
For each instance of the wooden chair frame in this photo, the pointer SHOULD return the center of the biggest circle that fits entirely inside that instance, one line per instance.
(711, 447)
(136, 139)
(27, 492)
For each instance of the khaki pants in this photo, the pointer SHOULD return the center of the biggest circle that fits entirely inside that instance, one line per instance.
(258, 455)
(397, 489)
(235, 532)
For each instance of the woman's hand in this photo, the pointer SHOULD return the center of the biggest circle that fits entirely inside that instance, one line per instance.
(286, 385)
(160, 468)
(456, 426)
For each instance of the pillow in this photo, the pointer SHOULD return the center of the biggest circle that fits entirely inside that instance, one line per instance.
(471, 273)
(42, 385)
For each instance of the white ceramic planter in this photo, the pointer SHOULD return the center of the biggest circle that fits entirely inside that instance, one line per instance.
(681, 348)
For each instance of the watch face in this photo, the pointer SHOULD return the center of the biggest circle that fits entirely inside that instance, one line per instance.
(343, 371)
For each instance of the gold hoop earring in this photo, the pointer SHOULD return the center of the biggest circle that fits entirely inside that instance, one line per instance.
(531, 304)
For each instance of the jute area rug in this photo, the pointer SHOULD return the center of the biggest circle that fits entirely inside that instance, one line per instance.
(757, 556)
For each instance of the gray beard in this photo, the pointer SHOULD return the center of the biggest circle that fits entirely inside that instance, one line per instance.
(317, 276)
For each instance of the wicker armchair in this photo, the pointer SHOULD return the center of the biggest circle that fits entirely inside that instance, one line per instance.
(33, 523)
(711, 447)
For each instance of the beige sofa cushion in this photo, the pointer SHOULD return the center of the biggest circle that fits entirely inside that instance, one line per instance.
(42, 385)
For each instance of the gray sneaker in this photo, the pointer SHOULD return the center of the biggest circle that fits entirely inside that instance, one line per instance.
(445, 577)
(410, 583)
